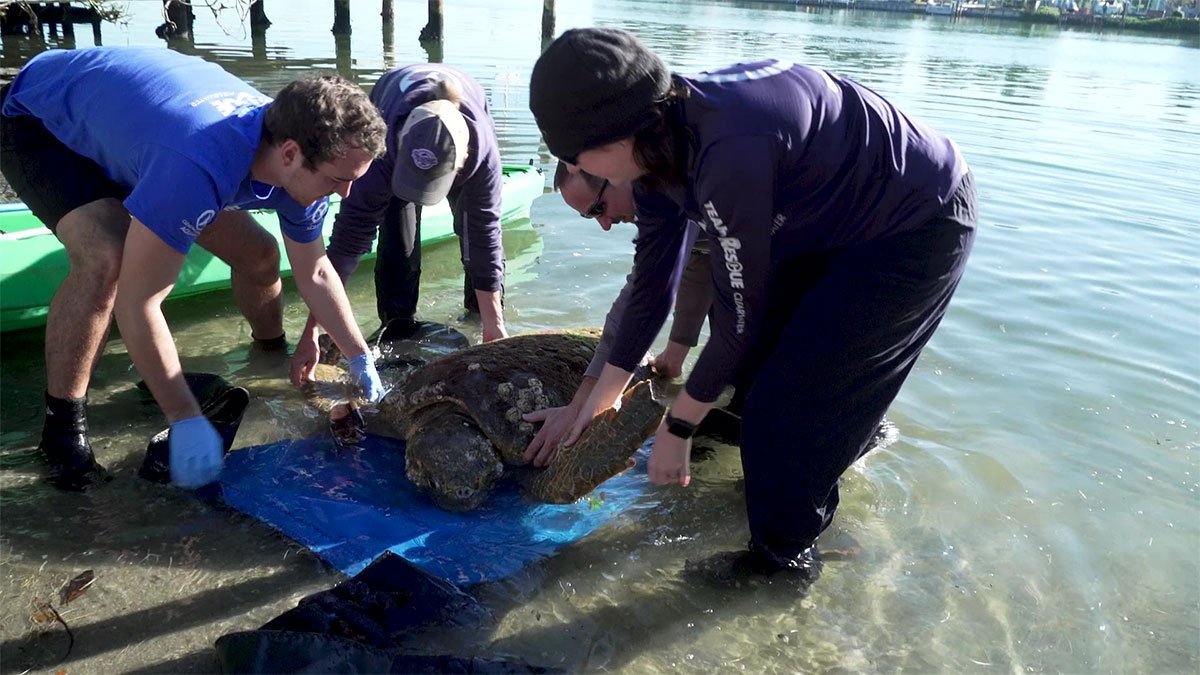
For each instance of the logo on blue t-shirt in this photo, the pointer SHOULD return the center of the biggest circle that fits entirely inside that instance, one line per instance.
(193, 230)
(316, 215)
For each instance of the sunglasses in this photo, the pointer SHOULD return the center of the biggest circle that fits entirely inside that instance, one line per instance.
(598, 207)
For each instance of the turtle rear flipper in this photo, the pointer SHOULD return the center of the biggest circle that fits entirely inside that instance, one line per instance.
(605, 449)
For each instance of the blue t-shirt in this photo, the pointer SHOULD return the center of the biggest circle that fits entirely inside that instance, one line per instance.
(178, 131)
(475, 193)
(783, 160)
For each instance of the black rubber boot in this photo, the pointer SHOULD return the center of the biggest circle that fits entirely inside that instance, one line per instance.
(734, 569)
(66, 448)
(270, 345)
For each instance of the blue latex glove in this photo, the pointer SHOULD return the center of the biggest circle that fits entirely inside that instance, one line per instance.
(363, 373)
(197, 452)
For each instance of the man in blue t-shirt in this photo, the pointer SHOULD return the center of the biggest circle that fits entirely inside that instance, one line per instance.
(131, 155)
(441, 145)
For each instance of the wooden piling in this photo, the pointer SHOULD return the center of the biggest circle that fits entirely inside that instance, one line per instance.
(341, 55)
(68, 27)
(388, 11)
(258, 16)
(341, 17)
(432, 32)
(547, 19)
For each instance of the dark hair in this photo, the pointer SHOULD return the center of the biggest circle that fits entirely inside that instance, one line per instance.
(661, 148)
(326, 116)
(562, 175)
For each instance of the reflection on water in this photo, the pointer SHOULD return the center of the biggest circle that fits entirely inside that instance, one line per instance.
(1037, 513)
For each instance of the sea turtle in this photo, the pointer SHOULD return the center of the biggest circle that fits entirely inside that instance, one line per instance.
(461, 418)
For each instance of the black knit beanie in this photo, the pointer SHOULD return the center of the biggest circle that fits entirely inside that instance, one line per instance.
(593, 86)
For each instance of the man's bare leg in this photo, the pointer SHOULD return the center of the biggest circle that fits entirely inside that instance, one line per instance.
(253, 256)
(81, 311)
(76, 330)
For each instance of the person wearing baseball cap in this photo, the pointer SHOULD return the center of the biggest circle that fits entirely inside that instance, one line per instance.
(441, 144)
(839, 230)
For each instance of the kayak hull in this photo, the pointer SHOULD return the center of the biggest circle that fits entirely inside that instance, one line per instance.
(33, 263)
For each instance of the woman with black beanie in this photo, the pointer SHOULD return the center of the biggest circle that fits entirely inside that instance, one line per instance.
(840, 228)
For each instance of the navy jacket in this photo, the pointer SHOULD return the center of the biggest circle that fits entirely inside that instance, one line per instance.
(783, 160)
(475, 193)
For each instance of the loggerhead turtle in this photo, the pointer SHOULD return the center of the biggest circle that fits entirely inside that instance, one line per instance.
(461, 418)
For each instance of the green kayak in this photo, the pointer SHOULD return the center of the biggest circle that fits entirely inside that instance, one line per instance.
(33, 263)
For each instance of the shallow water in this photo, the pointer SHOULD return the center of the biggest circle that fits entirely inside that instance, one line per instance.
(1037, 513)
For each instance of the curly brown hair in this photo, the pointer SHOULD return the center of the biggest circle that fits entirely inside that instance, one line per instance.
(325, 115)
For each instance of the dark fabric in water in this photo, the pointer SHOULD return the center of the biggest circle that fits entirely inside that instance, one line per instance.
(223, 405)
(378, 605)
(359, 625)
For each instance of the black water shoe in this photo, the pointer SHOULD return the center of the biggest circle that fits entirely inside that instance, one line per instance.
(269, 345)
(734, 569)
(65, 446)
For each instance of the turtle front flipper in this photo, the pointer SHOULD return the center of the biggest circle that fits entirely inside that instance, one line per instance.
(605, 449)
(449, 458)
(330, 393)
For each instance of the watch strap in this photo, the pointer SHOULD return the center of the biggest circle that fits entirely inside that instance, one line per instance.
(679, 427)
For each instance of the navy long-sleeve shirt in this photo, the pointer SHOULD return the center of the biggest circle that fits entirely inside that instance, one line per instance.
(475, 193)
(782, 160)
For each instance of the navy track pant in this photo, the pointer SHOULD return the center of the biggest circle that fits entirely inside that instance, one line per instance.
(398, 265)
(842, 334)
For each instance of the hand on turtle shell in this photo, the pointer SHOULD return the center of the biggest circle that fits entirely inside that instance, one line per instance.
(670, 459)
(669, 363)
(556, 423)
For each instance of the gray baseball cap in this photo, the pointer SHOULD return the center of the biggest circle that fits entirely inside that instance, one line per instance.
(431, 148)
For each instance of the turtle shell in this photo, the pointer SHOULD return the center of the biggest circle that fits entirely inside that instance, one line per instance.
(496, 383)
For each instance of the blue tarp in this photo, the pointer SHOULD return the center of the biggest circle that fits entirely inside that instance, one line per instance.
(351, 505)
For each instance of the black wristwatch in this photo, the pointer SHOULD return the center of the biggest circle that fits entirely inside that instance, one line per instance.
(680, 428)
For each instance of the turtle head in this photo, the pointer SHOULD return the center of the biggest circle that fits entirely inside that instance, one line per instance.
(450, 459)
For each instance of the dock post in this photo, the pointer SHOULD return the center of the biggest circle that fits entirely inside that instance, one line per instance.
(341, 55)
(388, 11)
(258, 16)
(68, 26)
(341, 17)
(432, 32)
(547, 19)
